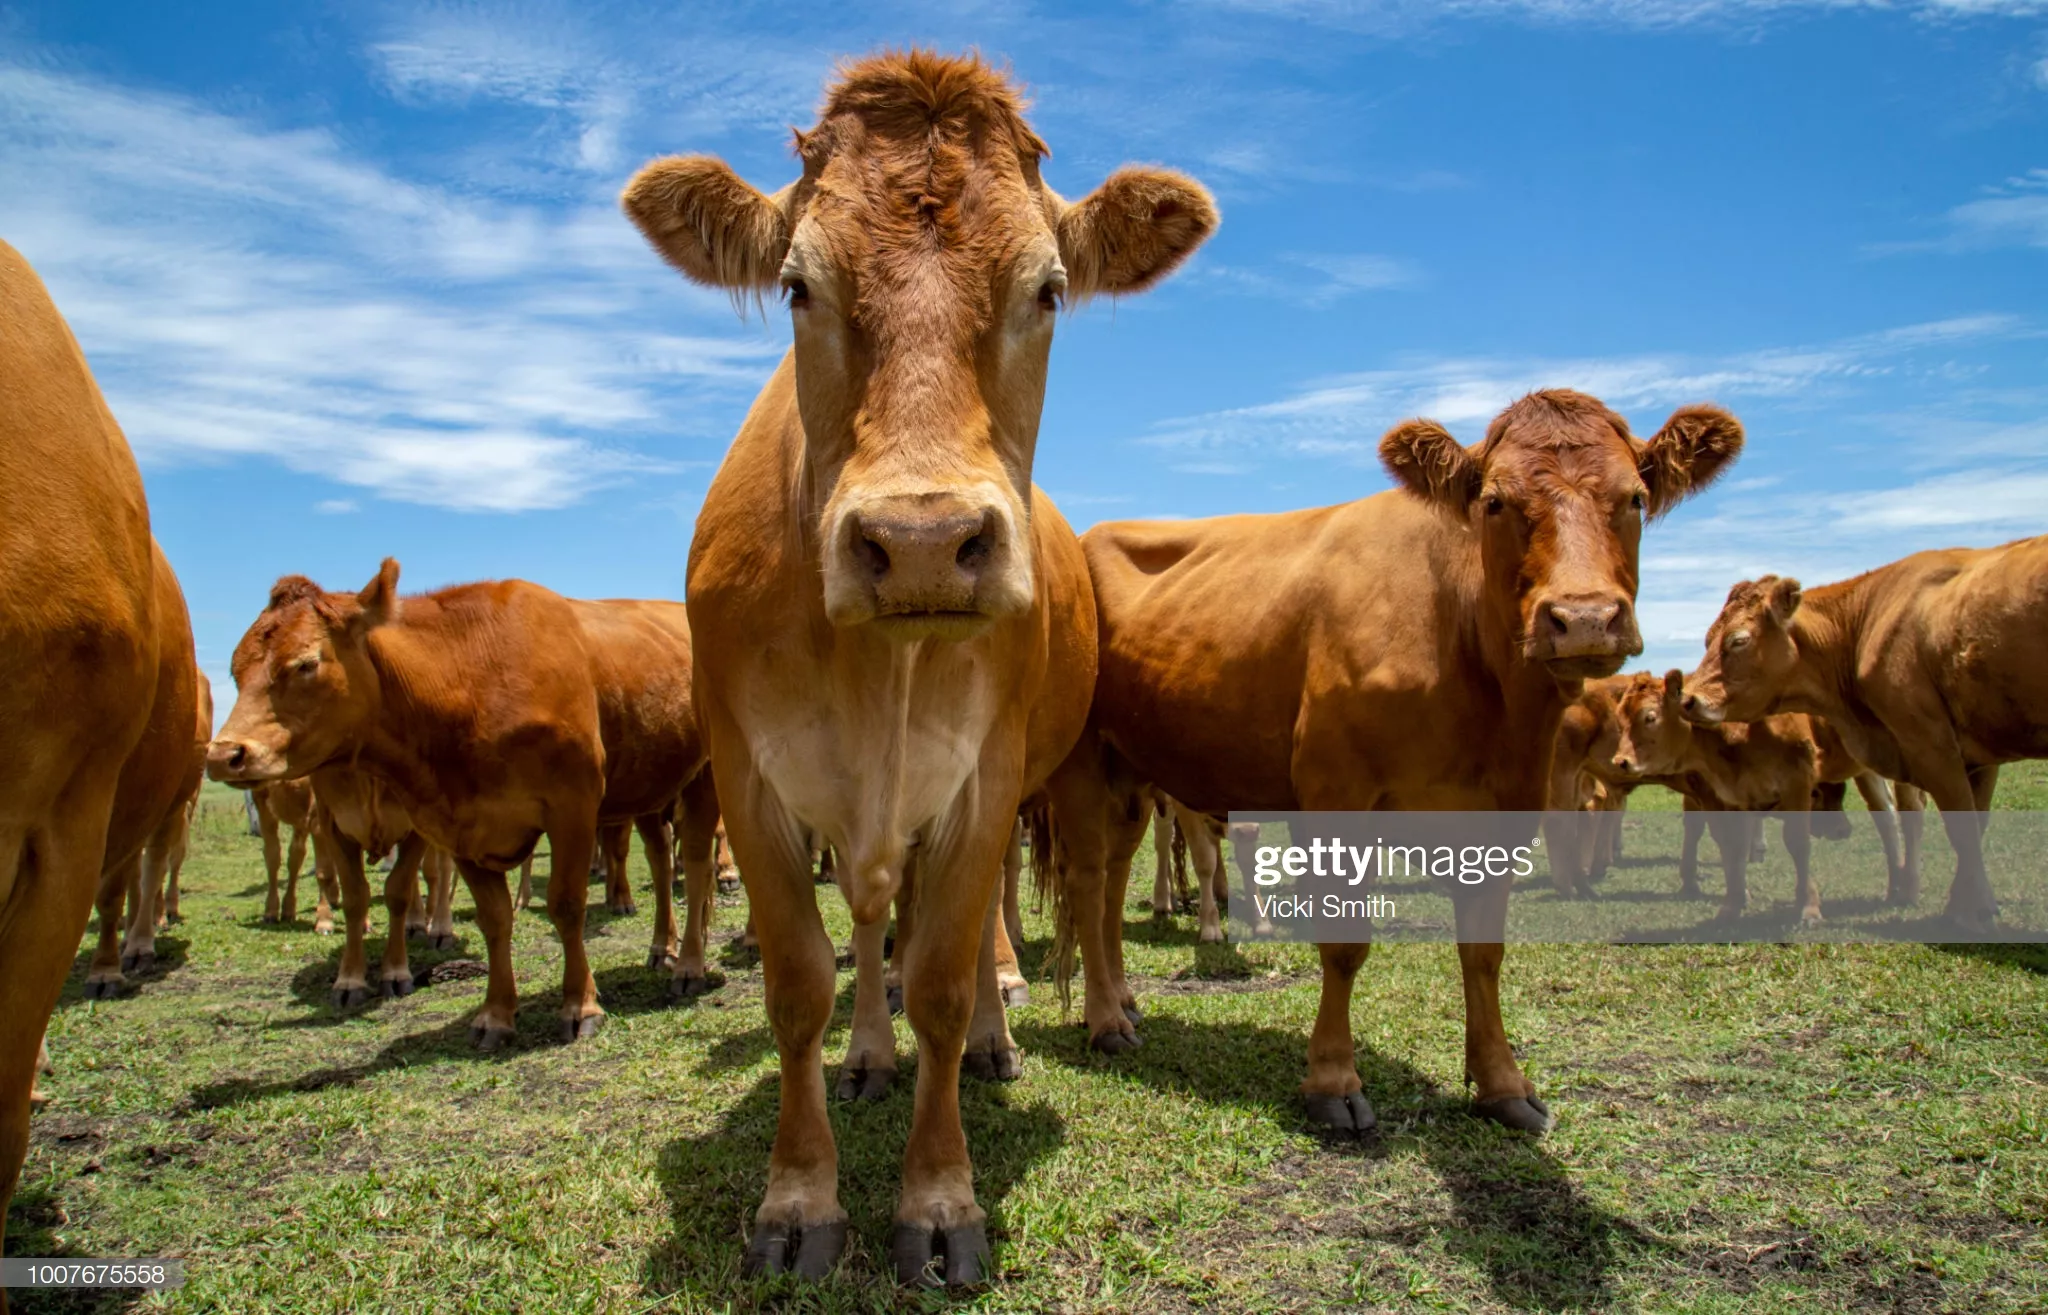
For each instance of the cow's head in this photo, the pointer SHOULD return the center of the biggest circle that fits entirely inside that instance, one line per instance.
(1750, 653)
(1558, 493)
(923, 261)
(1653, 734)
(305, 687)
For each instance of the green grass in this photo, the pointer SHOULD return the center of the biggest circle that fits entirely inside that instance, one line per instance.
(1808, 1127)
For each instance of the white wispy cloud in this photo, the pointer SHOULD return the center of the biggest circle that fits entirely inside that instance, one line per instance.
(1397, 15)
(1313, 279)
(264, 291)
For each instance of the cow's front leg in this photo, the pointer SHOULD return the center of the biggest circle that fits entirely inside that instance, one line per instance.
(351, 984)
(615, 848)
(1332, 1095)
(401, 896)
(1799, 844)
(657, 837)
(1126, 834)
(800, 1227)
(496, 1022)
(570, 840)
(941, 1232)
(103, 980)
(439, 866)
(1732, 833)
(1504, 1095)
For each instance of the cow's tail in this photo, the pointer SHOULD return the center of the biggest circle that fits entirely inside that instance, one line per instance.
(1048, 888)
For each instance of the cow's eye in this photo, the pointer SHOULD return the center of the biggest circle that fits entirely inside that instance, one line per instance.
(1495, 505)
(798, 293)
(305, 666)
(1649, 719)
(1740, 639)
(1638, 502)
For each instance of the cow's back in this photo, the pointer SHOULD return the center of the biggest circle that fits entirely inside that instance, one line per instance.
(639, 652)
(1230, 645)
(78, 594)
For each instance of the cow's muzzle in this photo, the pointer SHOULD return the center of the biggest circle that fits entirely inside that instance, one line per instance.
(926, 565)
(242, 763)
(1584, 636)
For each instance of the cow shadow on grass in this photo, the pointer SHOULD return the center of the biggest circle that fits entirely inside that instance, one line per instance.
(714, 1180)
(1515, 1213)
(33, 1220)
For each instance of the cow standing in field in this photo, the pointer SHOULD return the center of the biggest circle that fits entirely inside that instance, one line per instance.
(896, 638)
(497, 713)
(282, 804)
(1929, 669)
(99, 689)
(1411, 651)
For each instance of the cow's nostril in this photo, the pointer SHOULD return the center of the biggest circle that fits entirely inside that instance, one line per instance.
(1558, 623)
(239, 757)
(873, 556)
(975, 551)
(1691, 703)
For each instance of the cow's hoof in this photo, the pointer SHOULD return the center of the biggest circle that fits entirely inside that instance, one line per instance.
(660, 959)
(728, 885)
(37, 1099)
(323, 929)
(1133, 1013)
(489, 1038)
(1526, 1113)
(857, 1083)
(1691, 890)
(140, 963)
(416, 933)
(1347, 1114)
(395, 988)
(895, 999)
(1810, 918)
(622, 910)
(1727, 913)
(270, 918)
(928, 1257)
(444, 941)
(103, 988)
(576, 1029)
(349, 997)
(1017, 996)
(809, 1252)
(1162, 915)
(1004, 1065)
(691, 985)
(1115, 1042)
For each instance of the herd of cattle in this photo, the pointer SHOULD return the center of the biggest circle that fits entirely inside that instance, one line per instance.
(895, 647)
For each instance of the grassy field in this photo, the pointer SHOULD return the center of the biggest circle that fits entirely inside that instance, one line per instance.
(1806, 1127)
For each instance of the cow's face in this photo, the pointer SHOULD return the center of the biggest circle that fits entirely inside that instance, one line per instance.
(1750, 653)
(1558, 494)
(923, 261)
(1653, 734)
(305, 687)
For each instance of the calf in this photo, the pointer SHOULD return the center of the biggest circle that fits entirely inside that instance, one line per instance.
(1928, 668)
(282, 804)
(496, 713)
(1413, 650)
(896, 636)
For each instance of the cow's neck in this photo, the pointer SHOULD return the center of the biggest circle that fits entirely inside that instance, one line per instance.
(1824, 632)
(1532, 701)
(403, 727)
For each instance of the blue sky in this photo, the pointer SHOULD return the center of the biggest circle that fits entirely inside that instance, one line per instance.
(355, 282)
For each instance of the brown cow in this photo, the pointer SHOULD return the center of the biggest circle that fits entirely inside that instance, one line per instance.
(497, 713)
(1928, 668)
(281, 804)
(162, 854)
(906, 707)
(357, 815)
(1587, 792)
(1413, 650)
(98, 685)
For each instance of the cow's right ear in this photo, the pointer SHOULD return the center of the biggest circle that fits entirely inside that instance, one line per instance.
(1423, 458)
(1781, 596)
(379, 598)
(1674, 685)
(709, 222)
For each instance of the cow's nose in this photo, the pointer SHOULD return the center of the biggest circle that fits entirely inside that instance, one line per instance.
(1625, 765)
(226, 759)
(924, 557)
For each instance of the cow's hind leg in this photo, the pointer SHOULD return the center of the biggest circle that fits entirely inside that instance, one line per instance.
(990, 1052)
(273, 860)
(1205, 853)
(138, 946)
(1126, 834)
(1081, 803)
(117, 890)
(1244, 844)
(1332, 1095)
(1733, 833)
(496, 1022)
(696, 844)
(570, 840)
(870, 1065)
(439, 866)
(1799, 844)
(1009, 977)
(1904, 888)
(1162, 861)
(351, 983)
(401, 895)
(295, 858)
(615, 848)
(1695, 824)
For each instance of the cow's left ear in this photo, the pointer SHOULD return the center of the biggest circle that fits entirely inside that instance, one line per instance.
(709, 222)
(379, 598)
(1674, 685)
(1423, 458)
(1133, 230)
(1781, 596)
(1695, 445)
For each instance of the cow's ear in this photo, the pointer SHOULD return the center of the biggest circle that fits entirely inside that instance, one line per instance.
(1423, 458)
(1133, 230)
(1674, 685)
(1781, 596)
(709, 222)
(379, 598)
(1695, 445)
